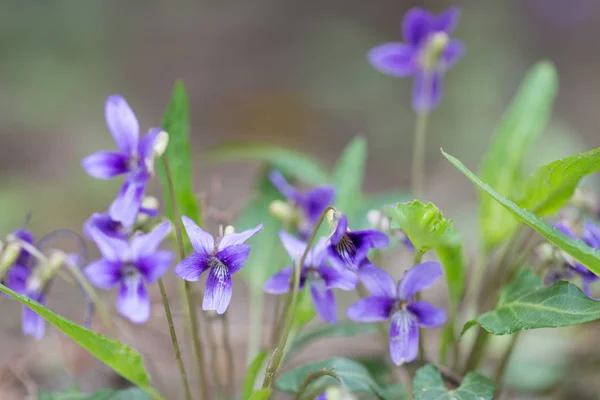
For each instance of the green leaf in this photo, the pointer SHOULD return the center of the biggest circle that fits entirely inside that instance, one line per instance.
(176, 122)
(524, 282)
(575, 248)
(453, 261)
(551, 186)
(289, 162)
(354, 375)
(521, 125)
(252, 372)
(429, 385)
(103, 394)
(341, 329)
(261, 394)
(348, 176)
(121, 358)
(394, 392)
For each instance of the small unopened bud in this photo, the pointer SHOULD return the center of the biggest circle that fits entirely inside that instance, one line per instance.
(338, 393)
(34, 283)
(160, 144)
(545, 252)
(150, 203)
(9, 255)
(229, 230)
(281, 210)
(378, 220)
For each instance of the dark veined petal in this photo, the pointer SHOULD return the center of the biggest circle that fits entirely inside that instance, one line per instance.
(280, 282)
(340, 230)
(416, 26)
(237, 238)
(446, 21)
(126, 205)
(133, 301)
(427, 91)
(428, 315)
(105, 224)
(453, 52)
(417, 278)
(234, 256)
(218, 290)
(377, 281)
(31, 323)
(404, 337)
(191, 267)
(338, 278)
(202, 241)
(315, 201)
(122, 124)
(154, 265)
(324, 301)
(103, 273)
(371, 309)
(144, 245)
(395, 59)
(367, 240)
(278, 180)
(294, 246)
(106, 164)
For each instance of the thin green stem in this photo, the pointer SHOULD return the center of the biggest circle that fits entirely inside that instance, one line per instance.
(229, 357)
(314, 376)
(193, 318)
(257, 302)
(418, 257)
(279, 351)
(176, 350)
(499, 374)
(418, 161)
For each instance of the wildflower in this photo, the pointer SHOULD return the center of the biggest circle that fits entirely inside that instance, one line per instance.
(321, 277)
(427, 54)
(405, 315)
(135, 158)
(130, 264)
(223, 258)
(347, 249)
(310, 204)
(110, 227)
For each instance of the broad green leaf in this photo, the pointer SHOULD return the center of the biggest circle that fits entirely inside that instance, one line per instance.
(453, 261)
(252, 372)
(521, 125)
(341, 329)
(103, 394)
(121, 358)
(176, 122)
(348, 176)
(261, 394)
(394, 392)
(429, 385)
(353, 374)
(575, 248)
(551, 186)
(289, 162)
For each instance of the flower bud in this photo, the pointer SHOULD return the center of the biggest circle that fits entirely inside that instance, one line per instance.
(150, 203)
(160, 144)
(282, 210)
(229, 230)
(46, 271)
(9, 255)
(378, 220)
(545, 252)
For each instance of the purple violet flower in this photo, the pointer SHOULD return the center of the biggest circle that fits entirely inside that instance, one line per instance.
(311, 203)
(395, 304)
(223, 258)
(31, 323)
(130, 264)
(348, 249)
(426, 54)
(135, 158)
(321, 277)
(105, 224)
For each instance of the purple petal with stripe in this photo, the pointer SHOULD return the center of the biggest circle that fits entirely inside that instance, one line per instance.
(371, 309)
(324, 301)
(234, 257)
(404, 337)
(417, 278)
(122, 124)
(133, 301)
(103, 273)
(340, 230)
(191, 267)
(202, 242)
(106, 164)
(428, 315)
(218, 290)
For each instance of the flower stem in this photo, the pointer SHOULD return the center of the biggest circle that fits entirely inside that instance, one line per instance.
(191, 311)
(418, 257)
(229, 357)
(418, 161)
(499, 374)
(279, 351)
(314, 376)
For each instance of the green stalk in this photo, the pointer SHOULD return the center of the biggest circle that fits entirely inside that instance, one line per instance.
(418, 161)
(418, 257)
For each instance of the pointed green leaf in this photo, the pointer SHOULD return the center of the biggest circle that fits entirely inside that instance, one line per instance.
(524, 282)
(261, 394)
(289, 162)
(176, 122)
(575, 248)
(121, 358)
(551, 186)
(521, 125)
(348, 176)
(429, 385)
(252, 372)
(355, 376)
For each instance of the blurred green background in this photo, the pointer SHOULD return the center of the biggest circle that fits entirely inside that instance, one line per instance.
(291, 72)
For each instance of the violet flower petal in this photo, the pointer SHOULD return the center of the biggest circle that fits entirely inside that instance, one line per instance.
(191, 267)
(126, 205)
(416, 26)
(24, 257)
(106, 164)
(234, 256)
(427, 93)
(404, 337)
(428, 316)
(371, 309)
(591, 234)
(237, 238)
(324, 301)
(122, 123)
(218, 290)
(154, 265)
(202, 242)
(144, 245)
(31, 323)
(367, 240)
(280, 282)
(105, 224)
(315, 201)
(453, 52)
(340, 230)
(287, 190)
(294, 246)
(133, 301)
(16, 278)
(103, 273)
(112, 248)
(395, 59)
(446, 21)
(146, 149)
(377, 281)
(417, 278)
(338, 278)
